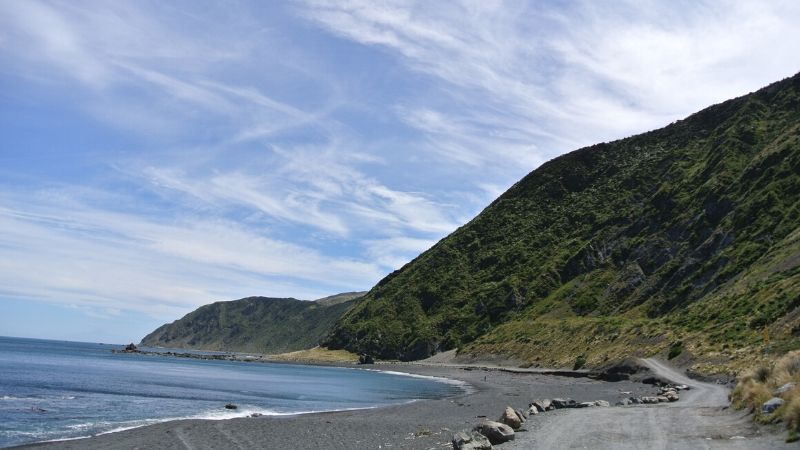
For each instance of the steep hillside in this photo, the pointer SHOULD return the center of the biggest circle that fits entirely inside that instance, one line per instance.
(254, 324)
(685, 238)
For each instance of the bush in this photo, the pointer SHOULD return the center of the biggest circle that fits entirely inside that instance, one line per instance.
(675, 349)
(580, 362)
(791, 414)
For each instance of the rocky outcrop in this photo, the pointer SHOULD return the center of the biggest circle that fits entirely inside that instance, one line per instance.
(511, 418)
(561, 403)
(771, 405)
(470, 440)
(784, 389)
(542, 405)
(496, 432)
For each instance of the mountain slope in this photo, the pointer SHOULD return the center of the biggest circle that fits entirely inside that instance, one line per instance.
(254, 324)
(684, 237)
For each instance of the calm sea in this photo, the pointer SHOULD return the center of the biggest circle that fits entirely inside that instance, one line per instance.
(60, 390)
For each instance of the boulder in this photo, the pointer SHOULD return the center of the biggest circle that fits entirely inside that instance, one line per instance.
(533, 410)
(771, 405)
(635, 400)
(542, 405)
(470, 440)
(649, 400)
(561, 403)
(523, 417)
(496, 432)
(662, 399)
(584, 405)
(623, 370)
(682, 387)
(365, 359)
(131, 348)
(672, 396)
(602, 403)
(624, 402)
(511, 418)
(231, 406)
(784, 389)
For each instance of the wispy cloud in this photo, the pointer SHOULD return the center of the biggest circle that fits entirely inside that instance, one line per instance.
(158, 156)
(64, 251)
(567, 74)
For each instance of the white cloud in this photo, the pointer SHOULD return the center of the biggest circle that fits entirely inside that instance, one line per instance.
(266, 156)
(563, 74)
(66, 252)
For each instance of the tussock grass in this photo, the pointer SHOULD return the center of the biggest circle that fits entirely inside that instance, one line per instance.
(757, 386)
(317, 355)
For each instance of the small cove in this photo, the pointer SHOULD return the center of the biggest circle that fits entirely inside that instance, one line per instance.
(62, 390)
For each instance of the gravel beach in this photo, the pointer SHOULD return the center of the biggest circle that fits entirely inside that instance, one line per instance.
(701, 419)
(419, 425)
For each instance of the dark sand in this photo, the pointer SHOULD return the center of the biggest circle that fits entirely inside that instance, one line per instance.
(420, 425)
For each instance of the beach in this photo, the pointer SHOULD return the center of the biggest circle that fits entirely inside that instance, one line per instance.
(425, 424)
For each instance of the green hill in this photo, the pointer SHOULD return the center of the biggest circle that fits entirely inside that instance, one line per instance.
(684, 238)
(254, 324)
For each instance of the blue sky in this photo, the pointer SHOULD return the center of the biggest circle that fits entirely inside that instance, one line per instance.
(157, 156)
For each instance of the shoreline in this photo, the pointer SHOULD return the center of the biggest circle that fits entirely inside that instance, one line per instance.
(419, 424)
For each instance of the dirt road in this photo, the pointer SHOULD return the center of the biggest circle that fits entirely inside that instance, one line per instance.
(699, 420)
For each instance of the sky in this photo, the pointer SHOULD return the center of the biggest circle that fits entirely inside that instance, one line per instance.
(157, 156)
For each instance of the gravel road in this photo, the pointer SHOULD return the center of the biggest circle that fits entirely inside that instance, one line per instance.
(701, 419)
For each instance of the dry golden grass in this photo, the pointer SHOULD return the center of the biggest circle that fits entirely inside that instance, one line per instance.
(757, 386)
(791, 412)
(750, 394)
(317, 355)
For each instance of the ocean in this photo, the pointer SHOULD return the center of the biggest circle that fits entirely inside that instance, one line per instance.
(53, 390)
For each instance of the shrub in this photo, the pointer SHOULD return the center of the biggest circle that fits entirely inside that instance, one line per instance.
(675, 349)
(750, 394)
(791, 414)
(580, 362)
(762, 374)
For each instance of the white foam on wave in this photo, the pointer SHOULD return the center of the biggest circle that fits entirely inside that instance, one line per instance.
(466, 387)
(207, 415)
(40, 398)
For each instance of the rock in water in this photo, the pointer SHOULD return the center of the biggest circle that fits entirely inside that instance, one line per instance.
(511, 418)
(230, 406)
(771, 405)
(496, 432)
(470, 440)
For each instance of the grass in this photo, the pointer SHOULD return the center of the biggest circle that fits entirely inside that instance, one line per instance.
(758, 385)
(689, 233)
(317, 355)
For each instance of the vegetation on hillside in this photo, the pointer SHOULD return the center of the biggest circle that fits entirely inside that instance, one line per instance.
(684, 240)
(254, 324)
(782, 380)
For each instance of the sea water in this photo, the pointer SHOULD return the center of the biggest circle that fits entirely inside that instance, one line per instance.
(61, 390)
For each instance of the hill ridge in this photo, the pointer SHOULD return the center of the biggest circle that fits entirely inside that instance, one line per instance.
(623, 246)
